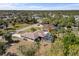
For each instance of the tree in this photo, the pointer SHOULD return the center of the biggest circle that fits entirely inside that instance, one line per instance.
(33, 29)
(27, 51)
(70, 21)
(2, 48)
(34, 20)
(3, 22)
(38, 43)
(69, 39)
(46, 20)
(8, 37)
(1, 32)
(53, 38)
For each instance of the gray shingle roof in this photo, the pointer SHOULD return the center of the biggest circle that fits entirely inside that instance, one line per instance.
(34, 35)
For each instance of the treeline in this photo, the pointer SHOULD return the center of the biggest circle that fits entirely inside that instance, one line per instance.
(67, 12)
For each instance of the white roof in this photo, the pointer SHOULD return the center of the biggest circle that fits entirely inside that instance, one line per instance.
(45, 32)
(16, 35)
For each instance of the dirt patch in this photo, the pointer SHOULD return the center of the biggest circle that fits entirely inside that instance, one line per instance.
(43, 50)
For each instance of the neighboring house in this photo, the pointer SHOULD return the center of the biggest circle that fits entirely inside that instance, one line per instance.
(39, 20)
(76, 17)
(16, 37)
(65, 28)
(53, 15)
(2, 39)
(49, 27)
(74, 28)
(1, 17)
(36, 16)
(2, 27)
(64, 16)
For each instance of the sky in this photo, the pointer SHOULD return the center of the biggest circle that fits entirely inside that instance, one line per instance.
(39, 6)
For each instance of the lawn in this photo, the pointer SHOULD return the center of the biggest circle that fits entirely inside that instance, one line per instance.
(33, 29)
(13, 28)
(20, 26)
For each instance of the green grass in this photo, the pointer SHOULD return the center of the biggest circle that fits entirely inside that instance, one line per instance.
(33, 29)
(20, 26)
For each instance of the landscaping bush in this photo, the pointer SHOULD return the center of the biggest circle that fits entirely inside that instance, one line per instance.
(27, 51)
(2, 48)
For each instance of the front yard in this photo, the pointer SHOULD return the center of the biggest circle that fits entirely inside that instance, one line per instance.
(43, 50)
(20, 26)
(33, 29)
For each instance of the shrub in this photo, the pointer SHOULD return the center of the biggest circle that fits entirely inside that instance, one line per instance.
(2, 48)
(27, 51)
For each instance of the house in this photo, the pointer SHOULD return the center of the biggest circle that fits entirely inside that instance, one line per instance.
(35, 35)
